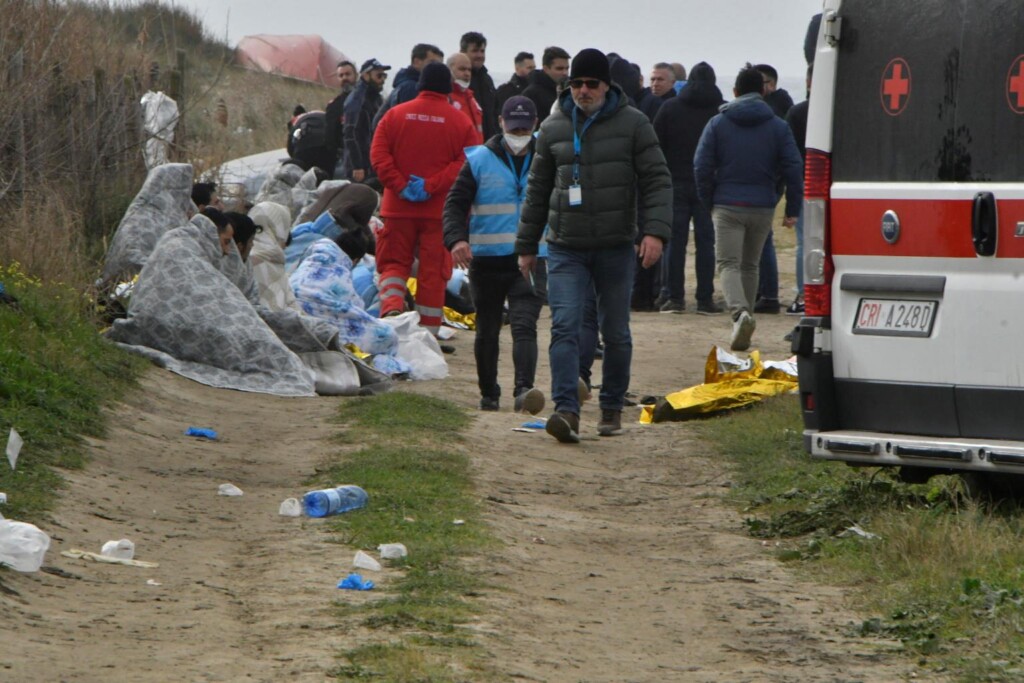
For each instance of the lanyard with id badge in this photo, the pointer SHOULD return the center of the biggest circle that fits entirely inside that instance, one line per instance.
(575, 191)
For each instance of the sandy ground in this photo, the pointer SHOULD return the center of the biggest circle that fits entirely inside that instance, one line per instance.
(620, 562)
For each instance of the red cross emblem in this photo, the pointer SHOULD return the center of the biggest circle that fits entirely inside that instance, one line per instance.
(1015, 86)
(895, 86)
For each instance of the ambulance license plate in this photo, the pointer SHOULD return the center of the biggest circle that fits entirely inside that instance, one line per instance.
(895, 317)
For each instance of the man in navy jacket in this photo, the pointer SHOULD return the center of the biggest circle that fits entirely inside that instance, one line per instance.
(742, 153)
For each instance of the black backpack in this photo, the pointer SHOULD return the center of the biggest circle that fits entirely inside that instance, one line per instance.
(309, 133)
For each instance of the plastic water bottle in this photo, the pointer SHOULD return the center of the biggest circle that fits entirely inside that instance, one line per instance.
(334, 501)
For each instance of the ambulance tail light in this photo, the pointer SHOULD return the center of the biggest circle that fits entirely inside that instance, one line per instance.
(818, 267)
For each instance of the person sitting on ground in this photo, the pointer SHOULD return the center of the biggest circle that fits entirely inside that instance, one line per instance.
(267, 256)
(225, 231)
(322, 284)
(352, 206)
(244, 232)
(486, 197)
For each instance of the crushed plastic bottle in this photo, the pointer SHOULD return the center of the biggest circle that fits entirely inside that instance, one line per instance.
(290, 507)
(122, 550)
(334, 501)
(392, 551)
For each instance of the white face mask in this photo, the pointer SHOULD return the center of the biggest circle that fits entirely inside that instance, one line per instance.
(463, 84)
(517, 143)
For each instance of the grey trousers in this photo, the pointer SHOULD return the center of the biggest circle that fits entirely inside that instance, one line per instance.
(740, 234)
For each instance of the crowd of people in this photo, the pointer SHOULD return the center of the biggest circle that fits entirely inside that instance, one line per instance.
(572, 186)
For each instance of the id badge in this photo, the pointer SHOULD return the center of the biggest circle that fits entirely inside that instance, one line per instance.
(575, 195)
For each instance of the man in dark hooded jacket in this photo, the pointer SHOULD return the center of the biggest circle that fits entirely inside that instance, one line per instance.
(403, 88)
(741, 155)
(679, 124)
(474, 46)
(360, 108)
(543, 87)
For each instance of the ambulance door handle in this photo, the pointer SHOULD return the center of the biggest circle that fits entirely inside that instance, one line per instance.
(984, 224)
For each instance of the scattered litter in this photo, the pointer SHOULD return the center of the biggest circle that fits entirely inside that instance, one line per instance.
(445, 333)
(364, 561)
(355, 582)
(78, 554)
(201, 432)
(228, 490)
(524, 429)
(290, 507)
(535, 424)
(14, 444)
(122, 550)
(458, 522)
(392, 551)
(539, 540)
(22, 545)
(856, 530)
(153, 582)
(408, 519)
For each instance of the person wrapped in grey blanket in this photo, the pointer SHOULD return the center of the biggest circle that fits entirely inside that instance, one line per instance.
(195, 310)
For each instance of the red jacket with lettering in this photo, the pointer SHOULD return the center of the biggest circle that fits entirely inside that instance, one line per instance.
(425, 137)
(464, 100)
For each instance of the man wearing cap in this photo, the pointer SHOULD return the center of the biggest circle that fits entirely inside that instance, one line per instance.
(360, 107)
(597, 161)
(417, 152)
(481, 216)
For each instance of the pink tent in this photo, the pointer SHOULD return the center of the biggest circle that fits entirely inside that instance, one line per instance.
(308, 58)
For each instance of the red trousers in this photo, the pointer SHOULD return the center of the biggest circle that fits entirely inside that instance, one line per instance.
(398, 244)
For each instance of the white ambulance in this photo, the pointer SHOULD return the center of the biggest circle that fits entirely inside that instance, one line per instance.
(910, 354)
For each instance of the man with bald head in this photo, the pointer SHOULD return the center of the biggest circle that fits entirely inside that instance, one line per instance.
(462, 95)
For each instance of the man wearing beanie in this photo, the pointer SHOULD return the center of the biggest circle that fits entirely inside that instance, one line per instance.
(417, 152)
(481, 216)
(597, 161)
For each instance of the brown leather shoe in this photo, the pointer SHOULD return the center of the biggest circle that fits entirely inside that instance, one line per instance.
(564, 426)
(611, 423)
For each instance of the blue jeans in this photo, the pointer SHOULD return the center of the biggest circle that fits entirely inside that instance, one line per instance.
(686, 205)
(571, 273)
(588, 335)
(768, 279)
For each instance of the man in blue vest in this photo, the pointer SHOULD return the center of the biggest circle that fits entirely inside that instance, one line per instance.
(481, 216)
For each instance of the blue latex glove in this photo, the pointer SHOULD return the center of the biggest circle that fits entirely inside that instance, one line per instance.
(355, 582)
(415, 190)
(201, 432)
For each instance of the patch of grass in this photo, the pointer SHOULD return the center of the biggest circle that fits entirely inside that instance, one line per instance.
(944, 574)
(56, 373)
(418, 487)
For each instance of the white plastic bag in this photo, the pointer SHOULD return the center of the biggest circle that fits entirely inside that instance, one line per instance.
(22, 545)
(392, 551)
(122, 550)
(364, 561)
(417, 347)
(290, 507)
(228, 490)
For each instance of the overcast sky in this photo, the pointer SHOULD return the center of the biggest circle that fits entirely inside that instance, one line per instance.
(724, 33)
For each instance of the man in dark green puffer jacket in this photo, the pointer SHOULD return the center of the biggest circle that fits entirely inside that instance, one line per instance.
(597, 159)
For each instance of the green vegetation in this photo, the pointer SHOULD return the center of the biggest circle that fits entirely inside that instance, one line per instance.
(55, 375)
(940, 572)
(419, 486)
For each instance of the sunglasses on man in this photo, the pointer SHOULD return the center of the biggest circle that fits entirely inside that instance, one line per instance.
(591, 83)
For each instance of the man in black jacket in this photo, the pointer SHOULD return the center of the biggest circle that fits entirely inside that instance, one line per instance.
(481, 214)
(360, 108)
(661, 90)
(679, 123)
(597, 161)
(520, 79)
(403, 88)
(335, 114)
(474, 46)
(543, 87)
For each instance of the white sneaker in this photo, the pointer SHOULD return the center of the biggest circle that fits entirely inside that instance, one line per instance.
(742, 331)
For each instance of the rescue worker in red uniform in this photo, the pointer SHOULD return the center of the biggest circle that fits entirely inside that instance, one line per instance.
(462, 96)
(417, 151)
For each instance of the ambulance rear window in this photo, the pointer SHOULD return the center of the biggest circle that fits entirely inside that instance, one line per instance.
(929, 92)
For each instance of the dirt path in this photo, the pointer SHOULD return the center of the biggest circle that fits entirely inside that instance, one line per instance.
(620, 563)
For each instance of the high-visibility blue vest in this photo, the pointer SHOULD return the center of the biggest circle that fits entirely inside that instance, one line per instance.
(494, 217)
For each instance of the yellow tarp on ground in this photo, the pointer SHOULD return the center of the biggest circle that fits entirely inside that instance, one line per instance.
(728, 383)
